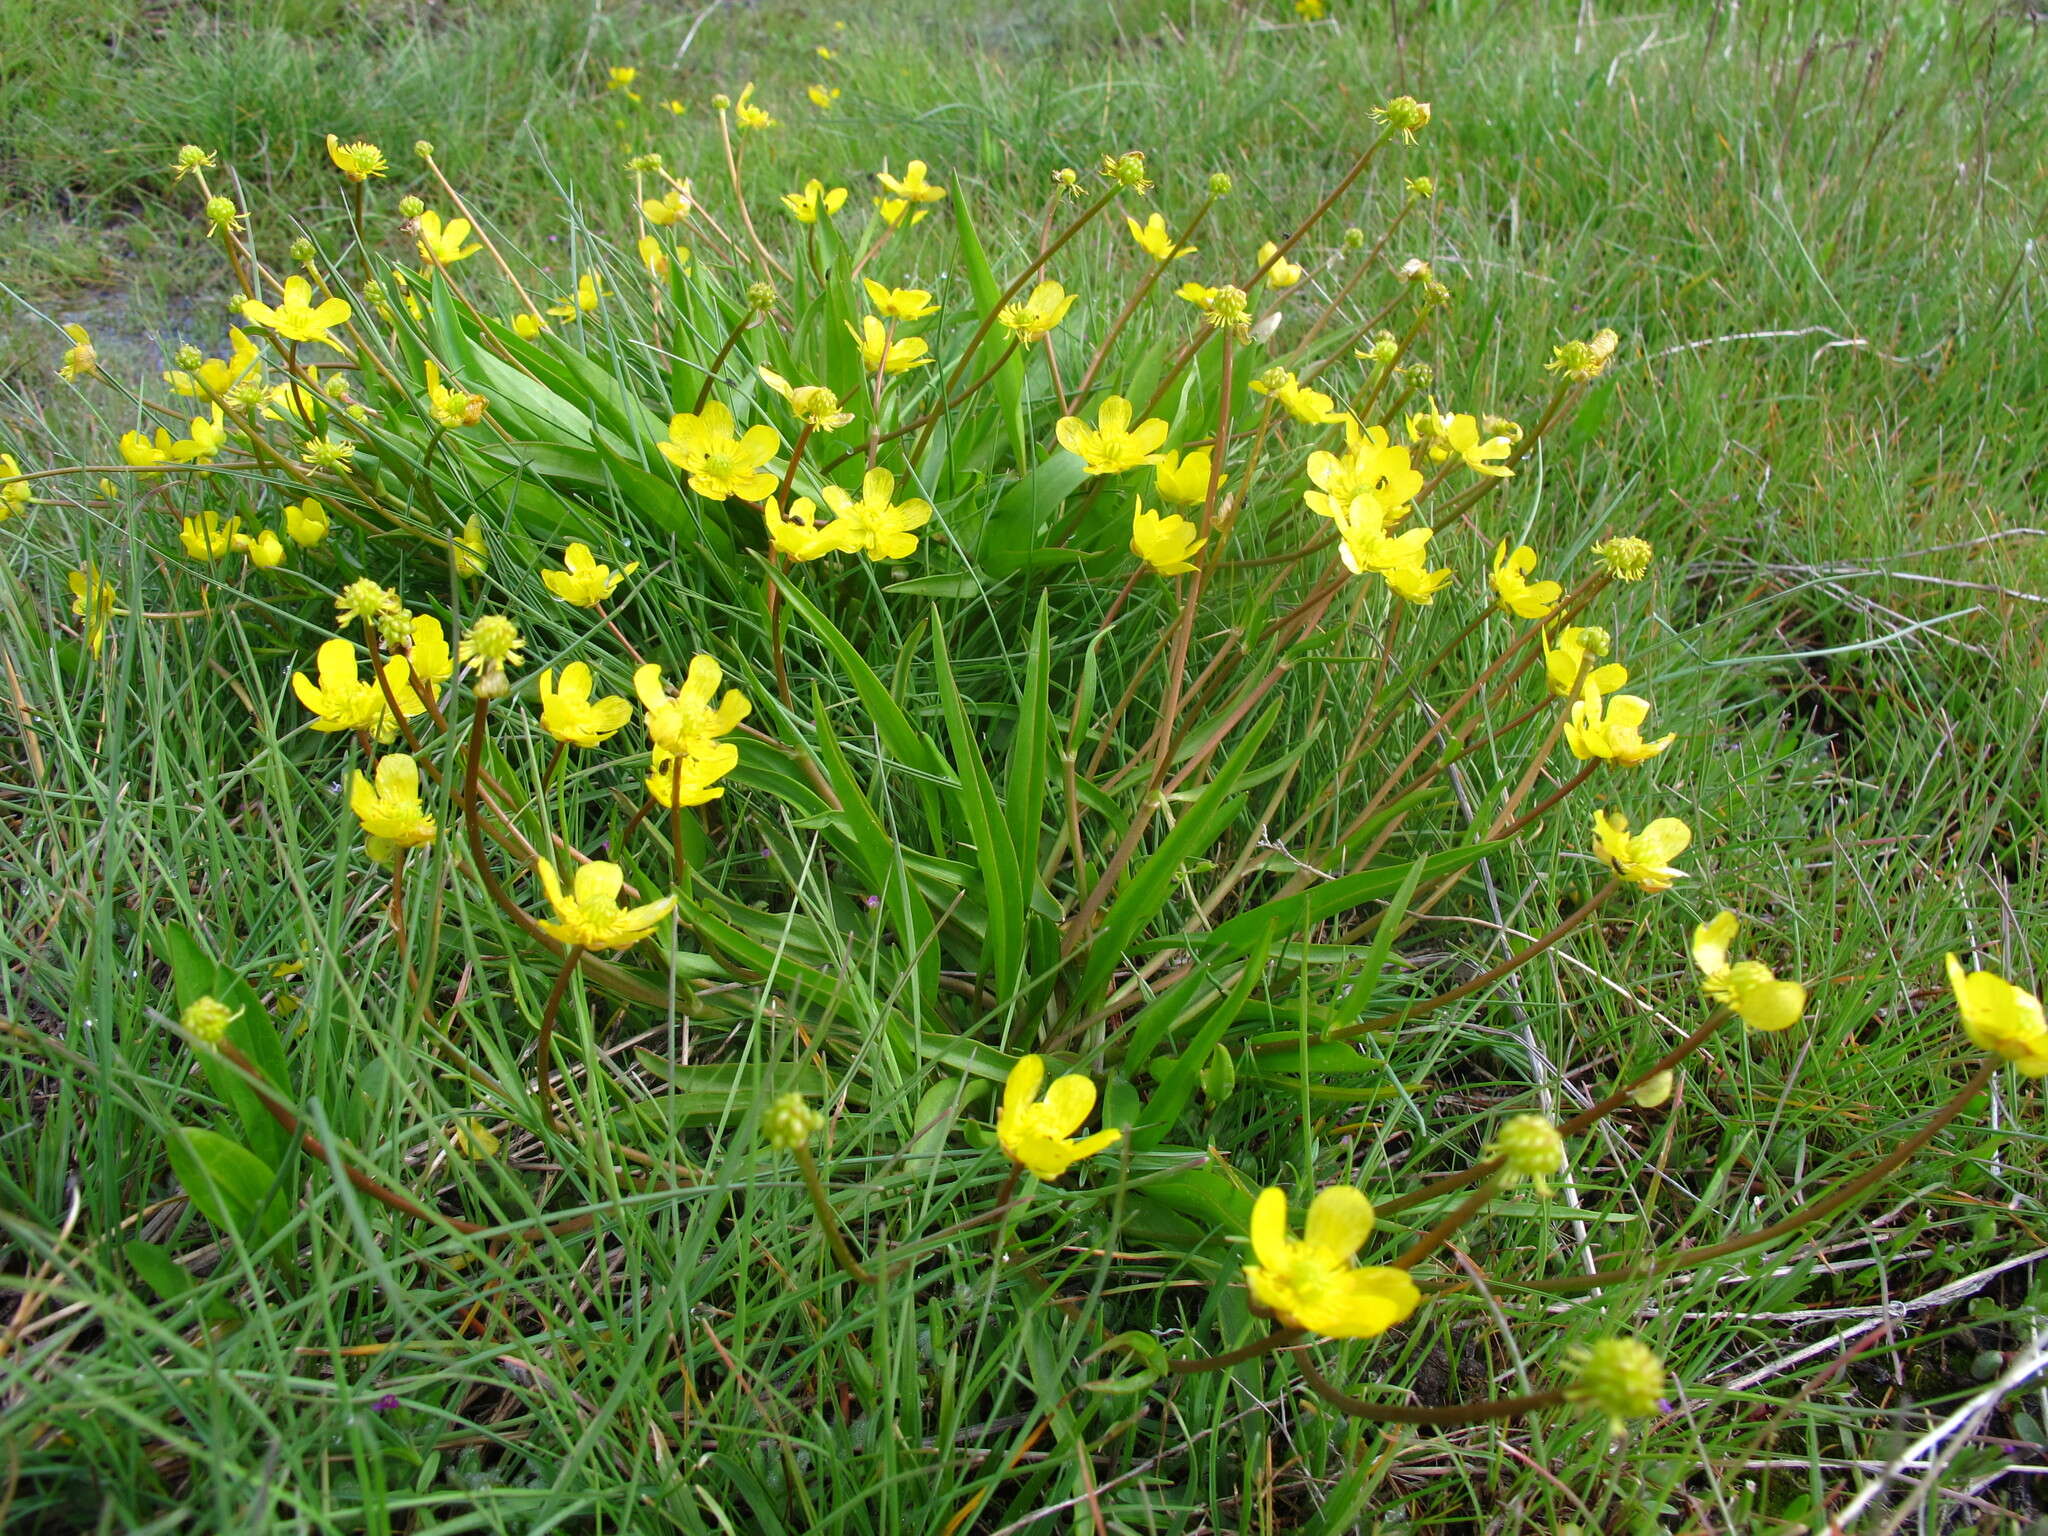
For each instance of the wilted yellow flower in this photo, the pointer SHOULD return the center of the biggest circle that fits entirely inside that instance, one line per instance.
(1404, 115)
(585, 583)
(912, 186)
(877, 525)
(81, 359)
(1611, 728)
(1565, 664)
(814, 404)
(684, 722)
(358, 161)
(450, 408)
(1998, 1016)
(92, 599)
(899, 303)
(442, 244)
(877, 351)
(1112, 445)
(1038, 315)
(1297, 399)
(1156, 240)
(1584, 360)
(297, 317)
(797, 532)
(718, 464)
(746, 114)
(1643, 858)
(391, 810)
(1183, 482)
(208, 1019)
(1748, 986)
(570, 715)
(468, 552)
(206, 537)
(18, 495)
(1312, 1283)
(807, 206)
(1038, 1134)
(1524, 598)
(589, 915)
(1282, 273)
(1167, 544)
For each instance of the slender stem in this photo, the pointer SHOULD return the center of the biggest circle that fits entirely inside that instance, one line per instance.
(1447, 1228)
(1405, 1413)
(543, 1055)
(711, 373)
(988, 320)
(822, 1204)
(1137, 297)
(1280, 1338)
(1003, 1200)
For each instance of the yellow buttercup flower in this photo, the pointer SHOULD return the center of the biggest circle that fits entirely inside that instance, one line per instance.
(899, 303)
(1565, 664)
(431, 659)
(391, 811)
(797, 533)
(265, 549)
(468, 552)
(1611, 728)
(206, 537)
(671, 207)
(1167, 544)
(528, 326)
(1583, 360)
(1998, 1016)
(1312, 1283)
(297, 317)
(1748, 986)
(342, 700)
(18, 495)
(1112, 445)
(620, 78)
(214, 378)
(92, 599)
(571, 716)
(442, 244)
(450, 408)
(305, 522)
(1524, 598)
(1642, 858)
(684, 722)
(1282, 273)
(690, 778)
(814, 202)
(877, 525)
(1371, 464)
(1038, 1134)
(823, 97)
(1183, 482)
(1299, 401)
(1401, 560)
(746, 114)
(585, 583)
(814, 404)
(655, 259)
(589, 293)
(208, 433)
(1156, 240)
(81, 359)
(358, 161)
(135, 449)
(877, 351)
(717, 463)
(1459, 436)
(1039, 315)
(1201, 295)
(589, 915)
(912, 186)
(892, 210)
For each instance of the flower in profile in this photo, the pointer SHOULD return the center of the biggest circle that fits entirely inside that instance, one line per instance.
(823, 97)
(1201, 295)
(584, 583)
(206, 537)
(1112, 445)
(1183, 482)
(81, 359)
(264, 549)
(427, 651)
(443, 244)
(1620, 1377)
(1528, 1147)
(683, 722)
(893, 209)
(797, 533)
(1459, 436)
(1038, 1134)
(1404, 116)
(588, 295)
(1039, 314)
(717, 463)
(899, 303)
(17, 495)
(136, 449)
(673, 206)
(571, 716)
(1998, 1016)
(747, 115)
(814, 404)
(1518, 595)
(208, 433)
(620, 78)
(589, 915)
(1642, 858)
(878, 352)
(92, 599)
(1401, 560)
(1759, 999)
(527, 326)
(1156, 240)
(1611, 728)
(655, 259)
(877, 525)
(467, 552)
(1583, 360)
(690, 778)
(448, 407)
(358, 161)
(297, 317)
(1312, 1283)
(913, 186)
(814, 202)
(1625, 558)
(305, 522)
(1282, 273)
(1168, 544)
(342, 700)
(391, 811)
(1567, 664)
(1297, 399)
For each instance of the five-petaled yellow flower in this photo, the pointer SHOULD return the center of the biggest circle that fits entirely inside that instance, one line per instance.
(877, 351)
(1183, 481)
(1371, 464)
(1759, 999)
(571, 716)
(797, 533)
(589, 915)
(1643, 858)
(911, 187)
(358, 161)
(448, 407)
(671, 207)
(1282, 273)
(1038, 1134)
(1168, 544)
(391, 811)
(442, 244)
(814, 202)
(892, 210)
(717, 463)
(1524, 598)
(588, 295)
(690, 778)
(1112, 445)
(1447, 436)
(1312, 1282)
(899, 303)
(1156, 240)
(877, 525)
(814, 404)
(206, 537)
(1998, 1016)
(297, 317)
(746, 114)
(341, 700)
(1039, 314)
(1611, 728)
(682, 722)
(585, 583)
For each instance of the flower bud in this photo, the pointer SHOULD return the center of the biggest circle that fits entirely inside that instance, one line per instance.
(188, 357)
(206, 1019)
(760, 297)
(721, 102)
(1219, 185)
(410, 207)
(790, 1123)
(302, 251)
(1622, 1378)
(1354, 239)
(424, 148)
(1420, 376)
(1420, 187)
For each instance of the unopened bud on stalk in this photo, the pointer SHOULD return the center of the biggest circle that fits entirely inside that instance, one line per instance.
(760, 297)
(410, 207)
(790, 1123)
(424, 148)
(1622, 1378)
(1219, 185)
(1354, 239)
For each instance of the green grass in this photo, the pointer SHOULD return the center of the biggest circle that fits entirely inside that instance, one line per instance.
(1812, 224)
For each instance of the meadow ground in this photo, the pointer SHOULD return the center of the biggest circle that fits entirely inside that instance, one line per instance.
(1815, 226)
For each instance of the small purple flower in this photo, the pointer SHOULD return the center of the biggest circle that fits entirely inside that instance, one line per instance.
(385, 1403)
(871, 902)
